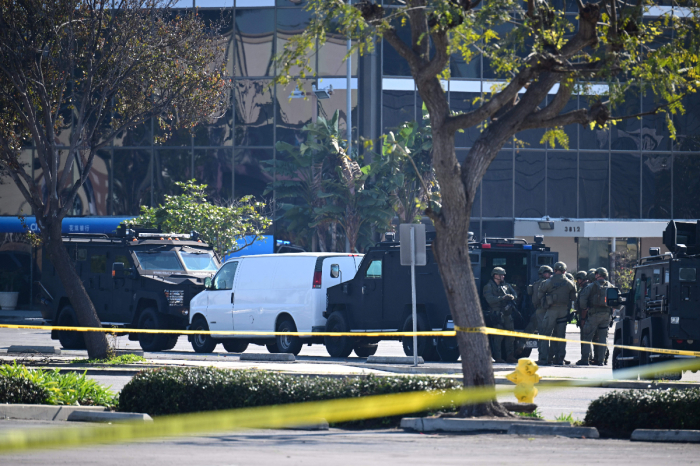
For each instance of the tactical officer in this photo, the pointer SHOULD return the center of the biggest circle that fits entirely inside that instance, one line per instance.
(592, 299)
(500, 296)
(581, 283)
(537, 318)
(558, 293)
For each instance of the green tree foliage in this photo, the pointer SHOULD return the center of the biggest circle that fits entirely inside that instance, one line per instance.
(318, 186)
(220, 226)
(612, 49)
(73, 75)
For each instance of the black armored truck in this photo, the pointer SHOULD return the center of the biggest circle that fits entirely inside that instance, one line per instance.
(138, 278)
(378, 298)
(662, 308)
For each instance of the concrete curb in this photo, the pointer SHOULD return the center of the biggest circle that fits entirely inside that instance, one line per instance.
(393, 360)
(535, 428)
(435, 424)
(277, 357)
(66, 413)
(90, 416)
(658, 435)
(33, 349)
(323, 425)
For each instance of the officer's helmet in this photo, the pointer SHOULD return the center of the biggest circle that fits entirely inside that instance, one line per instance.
(560, 266)
(581, 275)
(591, 276)
(498, 271)
(602, 271)
(592, 271)
(544, 269)
(569, 276)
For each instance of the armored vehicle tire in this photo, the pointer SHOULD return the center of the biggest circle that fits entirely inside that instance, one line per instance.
(202, 343)
(524, 353)
(234, 345)
(366, 350)
(426, 348)
(645, 360)
(447, 349)
(288, 343)
(618, 366)
(69, 340)
(151, 320)
(172, 341)
(338, 347)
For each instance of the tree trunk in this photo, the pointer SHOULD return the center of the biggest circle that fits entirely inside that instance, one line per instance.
(96, 342)
(334, 237)
(451, 249)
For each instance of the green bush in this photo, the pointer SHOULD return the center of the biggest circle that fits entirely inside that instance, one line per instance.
(183, 390)
(61, 389)
(617, 414)
(16, 390)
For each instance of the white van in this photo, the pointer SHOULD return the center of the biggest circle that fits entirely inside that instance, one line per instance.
(268, 292)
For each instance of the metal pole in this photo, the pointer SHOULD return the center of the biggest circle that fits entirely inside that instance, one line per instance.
(413, 296)
(348, 111)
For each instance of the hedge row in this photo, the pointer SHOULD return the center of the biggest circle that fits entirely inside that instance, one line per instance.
(183, 390)
(617, 414)
(22, 391)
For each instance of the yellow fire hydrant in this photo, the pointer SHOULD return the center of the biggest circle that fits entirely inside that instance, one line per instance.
(525, 377)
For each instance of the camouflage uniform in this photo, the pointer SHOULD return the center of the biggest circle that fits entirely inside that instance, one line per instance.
(598, 321)
(577, 307)
(562, 292)
(537, 319)
(497, 298)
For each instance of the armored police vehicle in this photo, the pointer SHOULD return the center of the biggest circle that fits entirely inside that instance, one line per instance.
(378, 298)
(139, 278)
(662, 309)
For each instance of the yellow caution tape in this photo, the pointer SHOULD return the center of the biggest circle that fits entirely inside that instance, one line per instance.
(298, 414)
(510, 333)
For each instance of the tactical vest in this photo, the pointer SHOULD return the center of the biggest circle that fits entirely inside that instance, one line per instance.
(596, 299)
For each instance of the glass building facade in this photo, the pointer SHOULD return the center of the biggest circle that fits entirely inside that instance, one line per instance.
(633, 171)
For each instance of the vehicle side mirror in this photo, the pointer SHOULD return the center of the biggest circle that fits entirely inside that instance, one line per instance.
(118, 270)
(335, 271)
(612, 297)
(208, 284)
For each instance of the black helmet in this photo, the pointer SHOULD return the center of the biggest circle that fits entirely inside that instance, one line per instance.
(581, 275)
(602, 271)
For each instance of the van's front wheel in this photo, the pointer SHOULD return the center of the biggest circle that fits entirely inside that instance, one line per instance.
(202, 343)
(288, 343)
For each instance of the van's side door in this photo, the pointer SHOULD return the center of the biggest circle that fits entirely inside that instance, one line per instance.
(221, 298)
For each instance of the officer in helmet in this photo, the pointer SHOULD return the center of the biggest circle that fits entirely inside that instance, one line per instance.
(537, 318)
(595, 329)
(556, 295)
(500, 298)
(581, 283)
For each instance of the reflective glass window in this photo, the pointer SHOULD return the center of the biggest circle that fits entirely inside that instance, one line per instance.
(570, 130)
(134, 137)
(292, 22)
(497, 187)
(655, 133)
(254, 112)
(497, 229)
(399, 107)
(656, 186)
(562, 170)
(294, 112)
(224, 278)
(96, 187)
(213, 167)
(13, 202)
(503, 40)
(250, 175)
(170, 166)
(624, 189)
(158, 260)
(393, 63)
(626, 134)
(688, 125)
(529, 184)
(593, 185)
(461, 68)
(465, 102)
(686, 186)
(596, 138)
(132, 181)
(374, 270)
(337, 101)
(254, 33)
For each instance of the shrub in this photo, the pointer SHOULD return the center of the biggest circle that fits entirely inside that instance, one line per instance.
(17, 390)
(183, 390)
(116, 360)
(617, 414)
(61, 389)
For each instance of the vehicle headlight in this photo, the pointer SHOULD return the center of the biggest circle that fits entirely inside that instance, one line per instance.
(175, 297)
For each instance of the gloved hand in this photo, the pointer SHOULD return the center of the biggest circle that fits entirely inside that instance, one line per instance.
(509, 297)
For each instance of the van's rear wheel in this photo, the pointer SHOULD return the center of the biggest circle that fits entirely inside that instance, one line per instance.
(151, 320)
(272, 347)
(234, 345)
(426, 348)
(338, 347)
(288, 343)
(68, 339)
(202, 343)
(366, 350)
